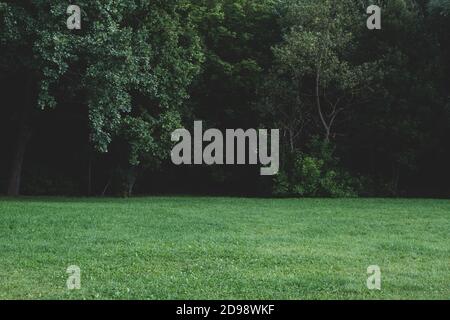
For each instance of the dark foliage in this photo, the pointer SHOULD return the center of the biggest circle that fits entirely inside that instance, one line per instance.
(91, 111)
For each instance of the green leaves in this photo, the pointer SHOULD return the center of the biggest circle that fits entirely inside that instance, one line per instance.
(125, 49)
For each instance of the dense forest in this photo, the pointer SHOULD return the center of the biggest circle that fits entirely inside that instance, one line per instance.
(90, 112)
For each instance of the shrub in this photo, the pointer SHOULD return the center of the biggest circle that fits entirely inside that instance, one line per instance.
(315, 174)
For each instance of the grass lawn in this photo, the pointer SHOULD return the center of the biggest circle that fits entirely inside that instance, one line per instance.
(224, 248)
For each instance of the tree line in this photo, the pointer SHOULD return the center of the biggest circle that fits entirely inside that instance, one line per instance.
(90, 111)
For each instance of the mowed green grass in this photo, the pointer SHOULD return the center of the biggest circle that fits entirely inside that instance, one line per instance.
(224, 248)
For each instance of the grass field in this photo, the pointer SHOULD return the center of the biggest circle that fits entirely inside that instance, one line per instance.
(224, 248)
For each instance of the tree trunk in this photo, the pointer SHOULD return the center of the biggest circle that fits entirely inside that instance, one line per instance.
(130, 181)
(18, 157)
(291, 140)
(319, 109)
(395, 179)
(89, 186)
(105, 189)
(24, 135)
